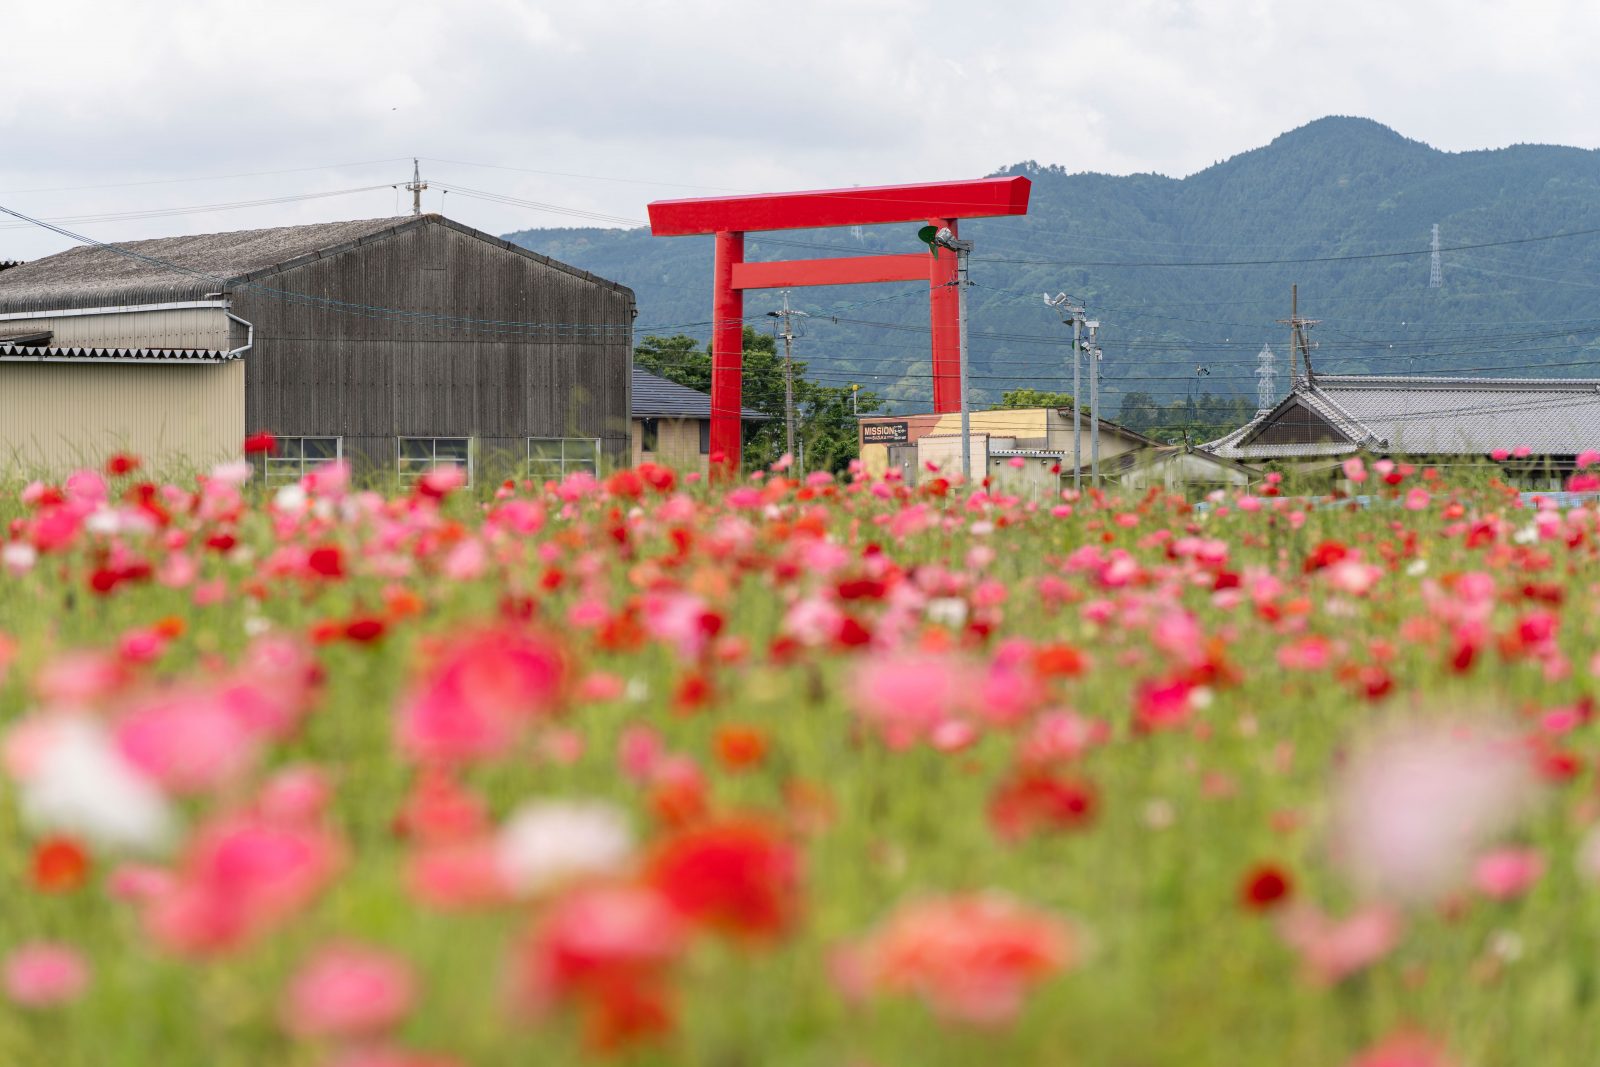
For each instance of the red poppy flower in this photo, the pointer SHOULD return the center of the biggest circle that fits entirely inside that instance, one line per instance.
(263, 443)
(122, 463)
(741, 877)
(60, 865)
(1265, 887)
(741, 747)
(1035, 801)
(364, 629)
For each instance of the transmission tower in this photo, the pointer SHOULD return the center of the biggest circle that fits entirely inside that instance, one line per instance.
(1436, 271)
(1266, 379)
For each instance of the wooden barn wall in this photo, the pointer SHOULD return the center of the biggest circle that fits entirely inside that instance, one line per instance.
(371, 376)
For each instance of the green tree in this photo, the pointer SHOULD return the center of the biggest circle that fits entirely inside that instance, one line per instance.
(1012, 399)
(829, 429)
(1139, 411)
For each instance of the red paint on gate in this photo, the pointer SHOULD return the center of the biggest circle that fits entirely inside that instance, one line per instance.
(730, 217)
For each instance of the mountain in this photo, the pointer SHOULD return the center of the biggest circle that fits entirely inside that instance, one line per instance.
(1174, 270)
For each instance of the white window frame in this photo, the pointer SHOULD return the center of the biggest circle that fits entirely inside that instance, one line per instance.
(410, 476)
(287, 470)
(577, 453)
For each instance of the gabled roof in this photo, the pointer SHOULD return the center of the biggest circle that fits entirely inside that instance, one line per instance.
(1407, 415)
(168, 269)
(1133, 460)
(656, 397)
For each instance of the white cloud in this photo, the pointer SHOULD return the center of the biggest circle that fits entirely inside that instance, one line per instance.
(707, 94)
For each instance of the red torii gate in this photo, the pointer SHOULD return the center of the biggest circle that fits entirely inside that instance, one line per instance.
(731, 217)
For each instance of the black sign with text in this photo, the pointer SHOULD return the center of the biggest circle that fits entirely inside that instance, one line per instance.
(885, 433)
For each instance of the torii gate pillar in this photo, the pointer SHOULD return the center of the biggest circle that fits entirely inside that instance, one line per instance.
(729, 218)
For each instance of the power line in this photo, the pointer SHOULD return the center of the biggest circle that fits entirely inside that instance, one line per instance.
(128, 216)
(200, 178)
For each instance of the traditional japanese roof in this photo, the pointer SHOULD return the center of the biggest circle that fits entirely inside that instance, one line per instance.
(656, 397)
(1336, 415)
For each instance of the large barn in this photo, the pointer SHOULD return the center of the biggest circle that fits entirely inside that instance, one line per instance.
(396, 343)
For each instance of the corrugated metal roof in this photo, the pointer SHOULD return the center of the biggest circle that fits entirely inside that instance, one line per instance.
(52, 354)
(167, 268)
(1406, 415)
(188, 268)
(656, 397)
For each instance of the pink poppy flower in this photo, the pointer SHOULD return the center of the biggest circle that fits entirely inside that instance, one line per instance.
(1413, 808)
(348, 991)
(185, 741)
(44, 975)
(905, 698)
(1507, 873)
(1333, 949)
(971, 958)
(475, 700)
(1404, 1049)
(386, 1056)
(240, 878)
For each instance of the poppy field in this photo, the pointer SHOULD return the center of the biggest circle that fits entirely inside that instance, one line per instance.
(799, 771)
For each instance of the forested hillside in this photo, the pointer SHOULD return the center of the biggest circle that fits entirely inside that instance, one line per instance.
(1181, 274)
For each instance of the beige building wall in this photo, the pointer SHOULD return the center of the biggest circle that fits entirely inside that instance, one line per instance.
(677, 445)
(1034, 480)
(176, 417)
(945, 452)
(203, 328)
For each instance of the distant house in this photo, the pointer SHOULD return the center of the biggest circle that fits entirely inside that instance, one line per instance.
(400, 344)
(672, 423)
(1040, 437)
(1437, 420)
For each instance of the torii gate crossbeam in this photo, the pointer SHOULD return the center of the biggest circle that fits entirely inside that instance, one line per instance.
(729, 218)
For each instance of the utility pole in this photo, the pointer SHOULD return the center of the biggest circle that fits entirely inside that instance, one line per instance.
(1299, 346)
(415, 187)
(1436, 266)
(1094, 400)
(946, 239)
(788, 371)
(1073, 313)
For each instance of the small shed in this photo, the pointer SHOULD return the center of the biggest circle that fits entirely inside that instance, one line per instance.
(672, 423)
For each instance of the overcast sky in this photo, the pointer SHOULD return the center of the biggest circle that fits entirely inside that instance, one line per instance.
(639, 101)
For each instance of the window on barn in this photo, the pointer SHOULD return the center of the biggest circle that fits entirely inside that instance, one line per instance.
(419, 455)
(649, 435)
(292, 457)
(705, 437)
(553, 458)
